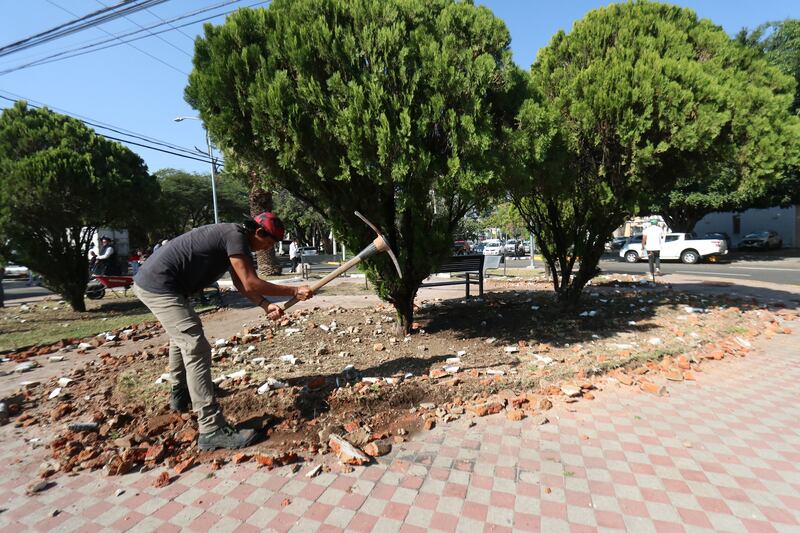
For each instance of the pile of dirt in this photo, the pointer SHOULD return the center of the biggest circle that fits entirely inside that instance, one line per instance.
(344, 381)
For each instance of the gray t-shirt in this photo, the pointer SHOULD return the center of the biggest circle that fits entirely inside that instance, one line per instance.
(193, 261)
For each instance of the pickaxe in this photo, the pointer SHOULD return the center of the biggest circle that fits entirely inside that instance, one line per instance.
(378, 245)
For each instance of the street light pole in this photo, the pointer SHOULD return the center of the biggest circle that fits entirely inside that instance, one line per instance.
(213, 165)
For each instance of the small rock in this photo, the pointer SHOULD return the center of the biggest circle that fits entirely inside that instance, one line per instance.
(515, 415)
(378, 448)
(162, 480)
(346, 452)
(314, 471)
(430, 423)
(570, 390)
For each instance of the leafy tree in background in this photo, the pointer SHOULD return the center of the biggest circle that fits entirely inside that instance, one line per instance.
(780, 44)
(369, 105)
(637, 98)
(186, 202)
(61, 181)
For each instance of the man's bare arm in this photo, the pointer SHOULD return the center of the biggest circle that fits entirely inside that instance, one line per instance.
(251, 284)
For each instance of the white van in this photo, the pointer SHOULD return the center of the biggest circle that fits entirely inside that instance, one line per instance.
(493, 247)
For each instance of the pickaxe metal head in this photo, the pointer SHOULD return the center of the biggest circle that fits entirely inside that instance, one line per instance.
(380, 244)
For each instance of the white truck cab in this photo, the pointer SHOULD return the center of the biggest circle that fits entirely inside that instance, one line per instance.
(684, 246)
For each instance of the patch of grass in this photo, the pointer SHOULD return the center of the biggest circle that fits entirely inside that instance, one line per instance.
(48, 322)
(732, 329)
(138, 385)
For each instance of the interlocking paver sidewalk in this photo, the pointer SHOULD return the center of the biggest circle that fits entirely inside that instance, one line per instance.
(721, 453)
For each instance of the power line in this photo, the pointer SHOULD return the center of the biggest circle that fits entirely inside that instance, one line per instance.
(179, 49)
(96, 46)
(173, 149)
(81, 23)
(173, 67)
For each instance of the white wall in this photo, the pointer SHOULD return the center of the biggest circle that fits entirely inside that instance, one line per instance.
(783, 220)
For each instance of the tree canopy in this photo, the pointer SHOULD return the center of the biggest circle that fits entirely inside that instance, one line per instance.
(639, 103)
(61, 181)
(186, 201)
(370, 105)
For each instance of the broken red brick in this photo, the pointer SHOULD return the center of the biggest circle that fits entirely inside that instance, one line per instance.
(162, 480)
(653, 388)
(154, 453)
(674, 375)
(265, 460)
(183, 466)
(515, 414)
(240, 458)
(377, 448)
(346, 452)
(625, 379)
(430, 423)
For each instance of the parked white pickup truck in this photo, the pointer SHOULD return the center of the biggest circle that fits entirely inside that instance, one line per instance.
(684, 246)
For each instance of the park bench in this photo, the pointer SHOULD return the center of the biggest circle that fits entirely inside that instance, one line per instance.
(468, 269)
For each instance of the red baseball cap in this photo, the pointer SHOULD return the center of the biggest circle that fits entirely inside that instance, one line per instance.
(272, 224)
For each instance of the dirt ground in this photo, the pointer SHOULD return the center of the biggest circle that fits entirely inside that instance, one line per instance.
(332, 370)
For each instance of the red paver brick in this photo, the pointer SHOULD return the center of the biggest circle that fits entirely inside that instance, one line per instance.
(694, 518)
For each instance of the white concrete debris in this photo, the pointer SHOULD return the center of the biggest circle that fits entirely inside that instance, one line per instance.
(239, 374)
(63, 382)
(289, 358)
(511, 349)
(55, 393)
(164, 378)
(271, 384)
(743, 342)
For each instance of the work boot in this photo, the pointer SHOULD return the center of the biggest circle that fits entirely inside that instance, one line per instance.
(227, 437)
(179, 399)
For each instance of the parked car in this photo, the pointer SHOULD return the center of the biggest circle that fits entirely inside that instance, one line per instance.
(719, 235)
(493, 247)
(526, 247)
(16, 271)
(683, 246)
(308, 250)
(461, 248)
(761, 240)
(477, 248)
(510, 246)
(616, 243)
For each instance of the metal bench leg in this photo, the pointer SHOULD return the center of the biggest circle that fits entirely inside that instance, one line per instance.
(480, 284)
(467, 284)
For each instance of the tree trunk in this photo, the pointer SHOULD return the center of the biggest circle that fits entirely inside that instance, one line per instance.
(73, 294)
(260, 201)
(403, 302)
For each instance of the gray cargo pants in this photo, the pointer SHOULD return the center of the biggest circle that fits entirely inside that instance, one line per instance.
(189, 354)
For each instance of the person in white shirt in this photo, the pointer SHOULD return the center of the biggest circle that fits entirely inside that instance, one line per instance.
(294, 254)
(651, 241)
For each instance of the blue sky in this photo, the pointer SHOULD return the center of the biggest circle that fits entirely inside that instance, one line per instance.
(142, 90)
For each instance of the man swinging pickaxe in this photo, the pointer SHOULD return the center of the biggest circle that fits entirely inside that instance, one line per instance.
(380, 244)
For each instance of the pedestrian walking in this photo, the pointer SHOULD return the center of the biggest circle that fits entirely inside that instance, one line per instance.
(294, 254)
(652, 238)
(190, 263)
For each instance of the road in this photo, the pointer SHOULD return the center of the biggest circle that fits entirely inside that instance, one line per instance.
(781, 270)
(17, 290)
(773, 270)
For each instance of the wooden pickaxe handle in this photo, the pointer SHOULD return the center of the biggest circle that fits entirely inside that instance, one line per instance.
(324, 281)
(378, 245)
